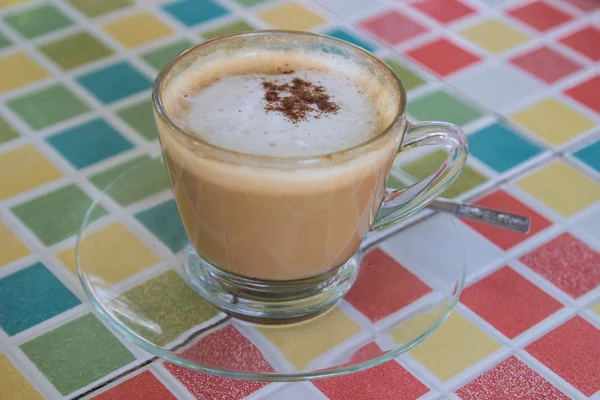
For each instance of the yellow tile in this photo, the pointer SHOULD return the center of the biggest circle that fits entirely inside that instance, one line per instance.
(18, 69)
(11, 248)
(291, 16)
(494, 35)
(553, 121)
(562, 188)
(596, 308)
(23, 169)
(112, 254)
(5, 3)
(303, 343)
(136, 30)
(14, 385)
(453, 347)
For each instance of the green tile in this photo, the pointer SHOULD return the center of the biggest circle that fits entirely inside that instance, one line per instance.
(237, 26)
(409, 79)
(170, 303)
(75, 50)
(48, 106)
(38, 21)
(94, 8)
(7, 132)
(440, 106)
(248, 3)
(147, 178)
(394, 183)
(160, 56)
(77, 353)
(140, 117)
(57, 215)
(423, 167)
(4, 42)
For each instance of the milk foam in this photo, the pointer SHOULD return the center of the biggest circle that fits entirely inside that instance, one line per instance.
(230, 113)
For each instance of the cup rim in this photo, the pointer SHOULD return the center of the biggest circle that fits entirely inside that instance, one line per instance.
(158, 84)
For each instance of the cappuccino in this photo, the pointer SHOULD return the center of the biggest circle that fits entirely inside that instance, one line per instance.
(278, 220)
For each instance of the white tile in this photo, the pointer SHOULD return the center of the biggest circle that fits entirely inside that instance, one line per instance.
(495, 85)
(590, 224)
(494, 3)
(352, 9)
(480, 252)
(432, 250)
(294, 391)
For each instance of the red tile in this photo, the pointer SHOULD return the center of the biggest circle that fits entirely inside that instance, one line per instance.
(585, 41)
(546, 64)
(443, 56)
(445, 11)
(572, 351)
(568, 263)
(393, 27)
(386, 381)
(144, 386)
(504, 238)
(383, 286)
(587, 93)
(509, 302)
(585, 5)
(365, 353)
(228, 348)
(540, 15)
(510, 380)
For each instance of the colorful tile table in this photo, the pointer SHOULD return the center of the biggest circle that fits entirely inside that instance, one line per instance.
(521, 77)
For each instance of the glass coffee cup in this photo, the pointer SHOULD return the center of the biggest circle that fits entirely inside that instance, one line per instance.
(277, 238)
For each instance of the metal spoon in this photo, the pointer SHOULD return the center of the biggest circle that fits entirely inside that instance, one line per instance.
(488, 216)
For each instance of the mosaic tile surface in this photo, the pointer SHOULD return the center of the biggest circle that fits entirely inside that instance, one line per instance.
(522, 77)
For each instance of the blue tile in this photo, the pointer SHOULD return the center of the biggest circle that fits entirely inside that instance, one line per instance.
(349, 37)
(164, 222)
(500, 147)
(87, 144)
(590, 155)
(31, 296)
(193, 12)
(114, 82)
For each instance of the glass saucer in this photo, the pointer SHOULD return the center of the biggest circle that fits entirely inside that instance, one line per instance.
(130, 259)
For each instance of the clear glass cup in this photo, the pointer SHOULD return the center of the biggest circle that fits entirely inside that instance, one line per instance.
(276, 239)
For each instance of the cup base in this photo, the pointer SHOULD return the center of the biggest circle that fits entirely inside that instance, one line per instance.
(268, 301)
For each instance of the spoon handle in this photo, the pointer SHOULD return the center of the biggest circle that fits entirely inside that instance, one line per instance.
(488, 216)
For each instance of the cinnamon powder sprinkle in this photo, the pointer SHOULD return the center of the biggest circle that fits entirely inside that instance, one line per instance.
(301, 99)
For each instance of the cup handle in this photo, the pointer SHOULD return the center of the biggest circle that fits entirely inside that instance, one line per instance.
(403, 203)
